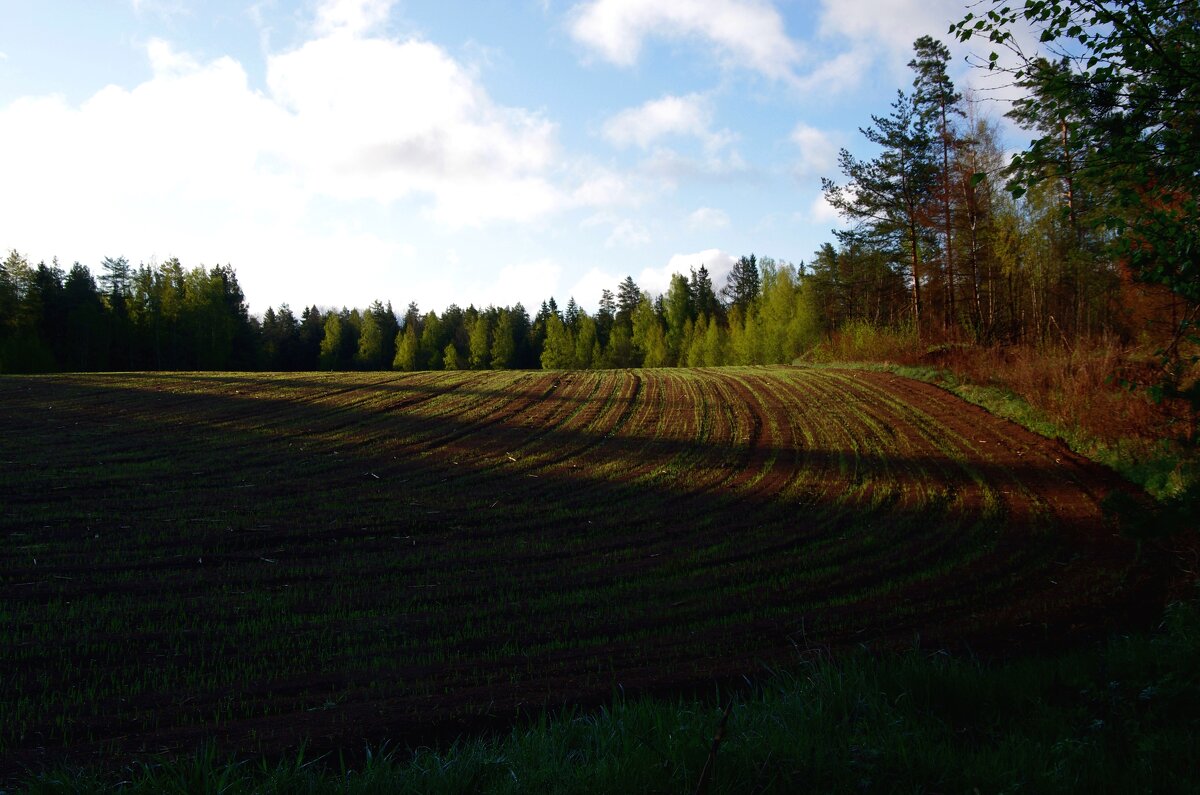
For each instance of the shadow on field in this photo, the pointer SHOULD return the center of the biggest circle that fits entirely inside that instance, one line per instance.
(358, 558)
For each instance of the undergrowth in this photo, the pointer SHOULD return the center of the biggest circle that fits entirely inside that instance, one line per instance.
(1098, 396)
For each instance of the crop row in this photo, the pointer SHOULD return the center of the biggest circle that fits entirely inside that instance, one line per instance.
(268, 558)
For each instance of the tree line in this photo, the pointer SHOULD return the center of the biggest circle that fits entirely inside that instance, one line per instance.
(145, 318)
(167, 317)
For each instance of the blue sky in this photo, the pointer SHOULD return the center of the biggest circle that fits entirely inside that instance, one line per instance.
(340, 151)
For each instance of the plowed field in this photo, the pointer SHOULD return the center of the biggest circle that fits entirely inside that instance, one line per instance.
(340, 557)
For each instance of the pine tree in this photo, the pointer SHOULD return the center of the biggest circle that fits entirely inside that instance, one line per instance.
(938, 102)
(886, 196)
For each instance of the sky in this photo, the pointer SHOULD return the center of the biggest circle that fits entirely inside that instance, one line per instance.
(336, 152)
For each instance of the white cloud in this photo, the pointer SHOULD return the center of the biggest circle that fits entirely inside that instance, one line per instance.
(380, 119)
(628, 233)
(165, 61)
(839, 73)
(671, 167)
(708, 218)
(818, 153)
(719, 263)
(821, 211)
(896, 24)
(345, 119)
(681, 117)
(604, 188)
(655, 281)
(587, 290)
(885, 32)
(352, 17)
(745, 33)
(163, 8)
(686, 116)
(195, 162)
(522, 281)
(3, 56)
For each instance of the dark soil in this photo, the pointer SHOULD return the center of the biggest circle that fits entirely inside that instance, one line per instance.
(269, 560)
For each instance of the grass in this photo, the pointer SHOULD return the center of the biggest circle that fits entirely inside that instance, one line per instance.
(1096, 395)
(1163, 468)
(1121, 718)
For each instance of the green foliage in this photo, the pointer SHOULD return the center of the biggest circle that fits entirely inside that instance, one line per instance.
(450, 357)
(679, 311)
(558, 351)
(1118, 719)
(331, 342)
(480, 343)
(504, 342)
(370, 355)
(433, 342)
(407, 348)
(744, 284)
(587, 344)
(1114, 98)
(620, 351)
(649, 339)
(886, 197)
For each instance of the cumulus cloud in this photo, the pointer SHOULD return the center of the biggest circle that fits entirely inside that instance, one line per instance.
(519, 281)
(686, 116)
(587, 290)
(886, 31)
(163, 8)
(719, 263)
(895, 24)
(686, 119)
(343, 118)
(745, 33)
(840, 72)
(196, 162)
(605, 189)
(822, 212)
(708, 218)
(817, 152)
(671, 167)
(380, 119)
(654, 280)
(351, 17)
(628, 233)
(166, 61)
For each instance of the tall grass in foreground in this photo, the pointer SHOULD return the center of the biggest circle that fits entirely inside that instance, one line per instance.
(1123, 718)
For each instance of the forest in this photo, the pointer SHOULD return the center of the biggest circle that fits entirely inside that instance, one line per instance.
(1089, 233)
